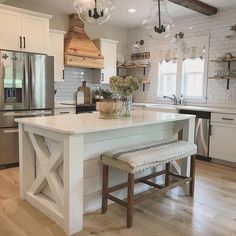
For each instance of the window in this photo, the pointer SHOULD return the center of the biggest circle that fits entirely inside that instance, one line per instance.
(167, 77)
(183, 71)
(193, 78)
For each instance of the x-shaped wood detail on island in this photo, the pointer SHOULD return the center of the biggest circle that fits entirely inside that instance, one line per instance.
(49, 161)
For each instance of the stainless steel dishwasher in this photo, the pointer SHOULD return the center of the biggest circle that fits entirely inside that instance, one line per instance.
(202, 132)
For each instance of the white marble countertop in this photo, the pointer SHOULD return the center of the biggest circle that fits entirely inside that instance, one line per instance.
(186, 107)
(90, 122)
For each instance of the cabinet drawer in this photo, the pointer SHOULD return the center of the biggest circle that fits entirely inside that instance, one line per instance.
(65, 111)
(223, 118)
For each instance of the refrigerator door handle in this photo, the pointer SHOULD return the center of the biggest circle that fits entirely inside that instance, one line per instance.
(10, 131)
(31, 84)
(26, 82)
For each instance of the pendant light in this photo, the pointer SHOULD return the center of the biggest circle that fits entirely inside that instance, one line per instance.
(94, 12)
(159, 23)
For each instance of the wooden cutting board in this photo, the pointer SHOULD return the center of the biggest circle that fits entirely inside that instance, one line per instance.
(86, 91)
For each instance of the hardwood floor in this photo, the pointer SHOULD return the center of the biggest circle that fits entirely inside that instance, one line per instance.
(212, 212)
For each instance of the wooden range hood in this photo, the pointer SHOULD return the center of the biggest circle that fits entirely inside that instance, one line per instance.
(80, 50)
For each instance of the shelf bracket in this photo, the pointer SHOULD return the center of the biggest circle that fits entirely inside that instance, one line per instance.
(228, 79)
(117, 71)
(144, 87)
(227, 84)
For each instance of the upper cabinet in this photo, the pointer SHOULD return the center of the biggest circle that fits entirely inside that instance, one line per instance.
(23, 30)
(35, 32)
(56, 49)
(108, 50)
(10, 28)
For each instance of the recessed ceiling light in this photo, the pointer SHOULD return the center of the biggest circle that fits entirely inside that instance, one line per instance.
(131, 10)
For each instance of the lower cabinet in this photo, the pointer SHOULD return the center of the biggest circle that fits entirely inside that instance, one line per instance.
(223, 137)
(65, 111)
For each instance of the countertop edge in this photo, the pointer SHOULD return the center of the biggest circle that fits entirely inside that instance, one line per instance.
(24, 122)
(187, 107)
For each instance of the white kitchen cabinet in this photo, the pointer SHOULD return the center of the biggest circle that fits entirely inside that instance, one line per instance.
(56, 49)
(65, 111)
(35, 32)
(223, 136)
(23, 30)
(10, 29)
(108, 50)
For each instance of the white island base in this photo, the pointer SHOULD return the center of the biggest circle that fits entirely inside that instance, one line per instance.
(60, 172)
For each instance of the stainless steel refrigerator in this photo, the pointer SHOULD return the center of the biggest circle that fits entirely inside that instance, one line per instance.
(26, 90)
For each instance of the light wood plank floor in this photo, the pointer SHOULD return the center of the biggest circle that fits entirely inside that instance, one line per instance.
(211, 213)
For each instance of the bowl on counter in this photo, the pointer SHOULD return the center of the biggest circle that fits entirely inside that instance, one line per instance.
(109, 108)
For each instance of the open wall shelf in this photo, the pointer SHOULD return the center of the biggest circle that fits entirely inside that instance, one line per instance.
(143, 82)
(228, 78)
(222, 77)
(232, 59)
(133, 67)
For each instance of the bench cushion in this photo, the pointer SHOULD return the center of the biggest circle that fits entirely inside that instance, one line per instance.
(147, 155)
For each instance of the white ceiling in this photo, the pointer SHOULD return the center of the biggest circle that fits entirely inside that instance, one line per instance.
(121, 17)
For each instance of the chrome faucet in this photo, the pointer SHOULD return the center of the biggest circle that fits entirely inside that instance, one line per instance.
(174, 99)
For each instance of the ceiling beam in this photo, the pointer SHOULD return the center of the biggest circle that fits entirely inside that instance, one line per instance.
(197, 6)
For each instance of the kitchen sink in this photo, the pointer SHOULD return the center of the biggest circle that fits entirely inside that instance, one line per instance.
(162, 106)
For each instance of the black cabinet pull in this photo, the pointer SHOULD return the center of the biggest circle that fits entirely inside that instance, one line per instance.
(24, 42)
(20, 41)
(229, 119)
(64, 112)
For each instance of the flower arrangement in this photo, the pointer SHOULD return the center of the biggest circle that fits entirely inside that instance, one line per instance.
(125, 88)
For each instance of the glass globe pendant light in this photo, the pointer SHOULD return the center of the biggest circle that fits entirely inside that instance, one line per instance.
(159, 23)
(94, 12)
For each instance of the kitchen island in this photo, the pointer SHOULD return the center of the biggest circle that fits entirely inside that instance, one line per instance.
(60, 172)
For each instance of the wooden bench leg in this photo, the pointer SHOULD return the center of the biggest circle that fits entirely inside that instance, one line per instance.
(130, 198)
(105, 188)
(167, 177)
(192, 175)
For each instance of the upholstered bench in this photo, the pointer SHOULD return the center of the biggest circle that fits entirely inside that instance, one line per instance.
(136, 158)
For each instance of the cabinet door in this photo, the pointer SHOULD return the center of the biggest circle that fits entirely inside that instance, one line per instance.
(36, 33)
(222, 142)
(108, 50)
(10, 29)
(56, 49)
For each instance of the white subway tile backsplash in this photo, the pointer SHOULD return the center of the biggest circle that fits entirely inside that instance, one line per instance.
(73, 78)
(218, 27)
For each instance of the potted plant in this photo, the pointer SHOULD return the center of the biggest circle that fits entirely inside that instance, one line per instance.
(124, 86)
(108, 106)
